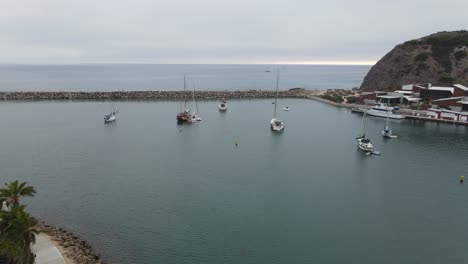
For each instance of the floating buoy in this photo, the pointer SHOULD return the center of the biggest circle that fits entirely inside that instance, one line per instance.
(236, 143)
(462, 179)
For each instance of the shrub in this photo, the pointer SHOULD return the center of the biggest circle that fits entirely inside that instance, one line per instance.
(351, 99)
(421, 57)
(446, 80)
(332, 97)
(460, 54)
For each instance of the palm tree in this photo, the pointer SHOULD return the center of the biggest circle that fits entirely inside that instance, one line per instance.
(17, 235)
(14, 191)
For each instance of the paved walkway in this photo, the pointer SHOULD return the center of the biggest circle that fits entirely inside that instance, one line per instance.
(47, 252)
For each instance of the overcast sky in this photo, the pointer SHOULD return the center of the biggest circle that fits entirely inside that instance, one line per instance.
(217, 31)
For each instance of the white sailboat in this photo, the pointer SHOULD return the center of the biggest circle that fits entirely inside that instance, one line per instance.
(276, 124)
(195, 116)
(184, 116)
(111, 117)
(387, 132)
(222, 106)
(363, 142)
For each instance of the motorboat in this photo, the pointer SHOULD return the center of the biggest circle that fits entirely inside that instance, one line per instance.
(382, 110)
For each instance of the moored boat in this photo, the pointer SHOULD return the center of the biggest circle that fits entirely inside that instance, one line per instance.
(110, 117)
(222, 106)
(185, 115)
(276, 124)
(364, 143)
(382, 110)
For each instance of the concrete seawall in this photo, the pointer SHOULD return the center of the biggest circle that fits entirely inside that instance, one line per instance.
(147, 95)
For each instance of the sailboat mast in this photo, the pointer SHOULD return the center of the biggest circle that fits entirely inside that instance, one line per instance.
(185, 95)
(363, 124)
(387, 115)
(276, 98)
(193, 95)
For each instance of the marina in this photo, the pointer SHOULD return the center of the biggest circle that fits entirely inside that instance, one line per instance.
(138, 179)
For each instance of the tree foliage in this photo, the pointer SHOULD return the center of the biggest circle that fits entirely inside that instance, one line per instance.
(17, 227)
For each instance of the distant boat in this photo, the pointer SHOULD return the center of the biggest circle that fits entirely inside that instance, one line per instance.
(195, 116)
(185, 115)
(387, 132)
(363, 142)
(286, 108)
(385, 111)
(267, 71)
(110, 117)
(222, 106)
(276, 124)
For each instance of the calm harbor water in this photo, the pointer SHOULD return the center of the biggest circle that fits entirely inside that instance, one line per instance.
(143, 190)
(107, 77)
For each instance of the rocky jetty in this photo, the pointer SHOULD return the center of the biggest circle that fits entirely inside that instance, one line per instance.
(74, 248)
(440, 59)
(150, 95)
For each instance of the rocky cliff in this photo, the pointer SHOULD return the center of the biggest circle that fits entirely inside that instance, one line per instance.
(440, 59)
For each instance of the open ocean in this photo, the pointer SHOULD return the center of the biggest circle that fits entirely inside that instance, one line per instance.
(116, 77)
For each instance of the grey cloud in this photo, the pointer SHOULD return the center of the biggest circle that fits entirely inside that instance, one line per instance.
(216, 31)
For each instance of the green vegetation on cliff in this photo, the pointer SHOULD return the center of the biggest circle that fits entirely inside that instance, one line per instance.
(440, 59)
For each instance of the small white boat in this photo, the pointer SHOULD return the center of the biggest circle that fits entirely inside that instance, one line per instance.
(382, 110)
(365, 144)
(195, 116)
(387, 132)
(222, 106)
(286, 108)
(277, 125)
(110, 117)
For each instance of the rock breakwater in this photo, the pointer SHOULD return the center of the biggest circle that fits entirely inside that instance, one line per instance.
(148, 95)
(73, 247)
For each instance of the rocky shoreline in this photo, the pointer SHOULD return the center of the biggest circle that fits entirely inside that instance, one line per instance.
(73, 247)
(149, 95)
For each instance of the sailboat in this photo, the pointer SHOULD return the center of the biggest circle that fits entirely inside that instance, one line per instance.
(111, 117)
(195, 116)
(222, 106)
(363, 142)
(387, 132)
(276, 124)
(185, 115)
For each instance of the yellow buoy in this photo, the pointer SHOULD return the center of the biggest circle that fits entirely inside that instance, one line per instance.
(462, 179)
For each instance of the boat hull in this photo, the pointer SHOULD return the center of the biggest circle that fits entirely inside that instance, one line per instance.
(109, 119)
(383, 114)
(222, 108)
(365, 146)
(276, 125)
(386, 134)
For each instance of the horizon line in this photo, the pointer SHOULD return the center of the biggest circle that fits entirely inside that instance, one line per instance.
(324, 63)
